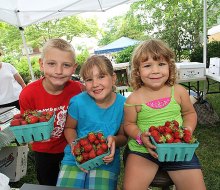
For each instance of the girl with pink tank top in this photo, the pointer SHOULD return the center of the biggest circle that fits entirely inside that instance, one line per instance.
(156, 99)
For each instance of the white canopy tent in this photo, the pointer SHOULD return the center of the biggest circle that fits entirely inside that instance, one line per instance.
(22, 13)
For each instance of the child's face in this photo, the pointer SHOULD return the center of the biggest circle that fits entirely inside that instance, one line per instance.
(153, 73)
(99, 86)
(57, 66)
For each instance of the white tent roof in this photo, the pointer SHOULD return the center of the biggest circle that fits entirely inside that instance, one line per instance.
(22, 13)
(214, 30)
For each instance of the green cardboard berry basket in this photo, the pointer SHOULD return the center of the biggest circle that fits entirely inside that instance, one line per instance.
(174, 152)
(93, 163)
(33, 132)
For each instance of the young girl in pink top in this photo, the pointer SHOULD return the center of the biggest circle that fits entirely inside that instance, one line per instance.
(157, 99)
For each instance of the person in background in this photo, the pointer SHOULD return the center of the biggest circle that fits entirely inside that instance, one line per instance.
(52, 92)
(157, 99)
(97, 109)
(11, 84)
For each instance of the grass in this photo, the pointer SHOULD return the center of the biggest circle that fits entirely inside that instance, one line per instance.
(208, 152)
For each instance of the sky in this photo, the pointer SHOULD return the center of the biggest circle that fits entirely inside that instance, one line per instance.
(102, 17)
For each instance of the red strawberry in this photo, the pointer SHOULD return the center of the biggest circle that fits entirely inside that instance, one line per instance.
(26, 113)
(152, 128)
(44, 113)
(167, 130)
(100, 151)
(187, 138)
(159, 139)
(102, 140)
(83, 141)
(49, 114)
(85, 156)
(87, 147)
(32, 119)
(169, 137)
(175, 123)
(178, 134)
(24, 122)
(91, 137)
(99, 135)
(177, 141)
(167, 124)
(15, 122)
(104, 146)
(17, 116)
(92, 154)
(77, 149)
(186, 131)
(161, 129)
(154, 133)
(79, 158)
(42, 119)
(96, 142)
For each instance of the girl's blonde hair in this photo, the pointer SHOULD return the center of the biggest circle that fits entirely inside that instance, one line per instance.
(157, 49)
(58, 44)
(103, 63)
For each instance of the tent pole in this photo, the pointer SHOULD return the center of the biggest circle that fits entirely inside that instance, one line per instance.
(26, 52)
(204, 32)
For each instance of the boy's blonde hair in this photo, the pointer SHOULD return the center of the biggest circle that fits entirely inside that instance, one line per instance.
(59, 44)
(103, 63)
(157, 49)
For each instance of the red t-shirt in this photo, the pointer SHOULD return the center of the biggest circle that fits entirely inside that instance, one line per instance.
(35, 97)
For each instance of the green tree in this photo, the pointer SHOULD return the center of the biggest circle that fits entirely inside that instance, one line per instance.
(36, 35)
(127, 26)
(124, 55)
(177, 22)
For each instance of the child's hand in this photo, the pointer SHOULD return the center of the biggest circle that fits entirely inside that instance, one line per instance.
(147, 143)
(111, 145)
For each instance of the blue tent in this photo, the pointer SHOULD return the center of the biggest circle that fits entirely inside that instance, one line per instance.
(117, 45)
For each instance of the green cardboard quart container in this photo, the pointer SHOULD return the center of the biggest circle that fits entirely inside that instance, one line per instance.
(174, 152)
(33, 132)
(93, 163)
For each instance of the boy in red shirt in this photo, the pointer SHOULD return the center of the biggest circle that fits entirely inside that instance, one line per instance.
(52, 93)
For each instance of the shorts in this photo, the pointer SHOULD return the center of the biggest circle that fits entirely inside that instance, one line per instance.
(171, 166)
(72, 176)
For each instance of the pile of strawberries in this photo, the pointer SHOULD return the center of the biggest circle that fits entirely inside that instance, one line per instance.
(31, 117)
(171, 132)
(89, 147)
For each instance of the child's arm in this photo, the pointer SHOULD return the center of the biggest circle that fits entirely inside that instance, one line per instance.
(70, 129)
(188, 112)
(115, 141)
(130, 118)
(131, 128)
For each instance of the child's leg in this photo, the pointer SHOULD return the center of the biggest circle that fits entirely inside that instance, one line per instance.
(47, 167)
(188, 179)
(139, 172)
(186, 174)
(71, 176)
(100, 179)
